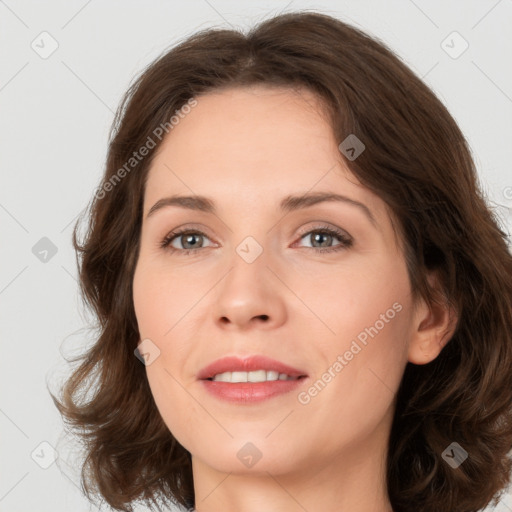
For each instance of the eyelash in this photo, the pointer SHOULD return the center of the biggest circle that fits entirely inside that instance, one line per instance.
(345, 241)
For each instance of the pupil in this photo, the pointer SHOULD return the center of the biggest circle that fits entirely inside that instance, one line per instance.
(187, 239)
(322, 235)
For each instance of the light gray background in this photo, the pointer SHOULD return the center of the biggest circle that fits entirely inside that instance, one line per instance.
(54, 121)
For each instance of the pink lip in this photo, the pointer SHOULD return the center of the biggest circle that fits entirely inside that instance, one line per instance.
(249, 392)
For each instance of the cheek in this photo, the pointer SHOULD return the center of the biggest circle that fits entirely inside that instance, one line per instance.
(161, 317)
(368, 313)
(373, 359)
(178, 411)
(161, 297)
(348, 300)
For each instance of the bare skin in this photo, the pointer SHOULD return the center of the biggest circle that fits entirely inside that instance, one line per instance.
(246, 149)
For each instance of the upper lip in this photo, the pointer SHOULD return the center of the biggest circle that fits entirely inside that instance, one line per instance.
(247, 364)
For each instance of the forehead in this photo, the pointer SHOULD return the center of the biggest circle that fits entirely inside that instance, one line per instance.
(253, 143)
(249, 125)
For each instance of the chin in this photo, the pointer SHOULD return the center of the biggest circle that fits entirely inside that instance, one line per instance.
(250, 455)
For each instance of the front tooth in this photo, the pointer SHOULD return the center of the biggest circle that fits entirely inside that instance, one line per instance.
(257, 376)
(254, 376)
(239, 377)
(223, 377)
(271, 375)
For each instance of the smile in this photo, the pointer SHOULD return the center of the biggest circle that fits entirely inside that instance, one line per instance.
(253, 376)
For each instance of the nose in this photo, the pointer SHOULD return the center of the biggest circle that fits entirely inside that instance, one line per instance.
(249, 296)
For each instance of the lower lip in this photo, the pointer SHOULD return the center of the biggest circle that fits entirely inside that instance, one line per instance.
(250, 392)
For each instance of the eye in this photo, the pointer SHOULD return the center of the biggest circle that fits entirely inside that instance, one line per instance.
(324, 236)
(190, 240)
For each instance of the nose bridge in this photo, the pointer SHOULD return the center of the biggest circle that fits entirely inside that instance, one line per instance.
(249, 239)
(250, 250)
(248, 273)
(249, 290)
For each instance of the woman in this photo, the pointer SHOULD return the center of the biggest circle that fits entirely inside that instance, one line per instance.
(304, 300)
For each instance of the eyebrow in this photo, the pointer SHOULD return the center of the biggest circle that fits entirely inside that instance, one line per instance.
(288, 204)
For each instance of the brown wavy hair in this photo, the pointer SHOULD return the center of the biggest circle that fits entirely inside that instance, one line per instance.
(416, 159)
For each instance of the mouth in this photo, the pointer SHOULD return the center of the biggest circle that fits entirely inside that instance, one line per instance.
(250, 379)
(253, 376)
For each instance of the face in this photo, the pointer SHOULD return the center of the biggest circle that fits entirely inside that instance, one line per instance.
(319, 286)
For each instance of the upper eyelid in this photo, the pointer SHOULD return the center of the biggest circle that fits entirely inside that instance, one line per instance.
(324, 225)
